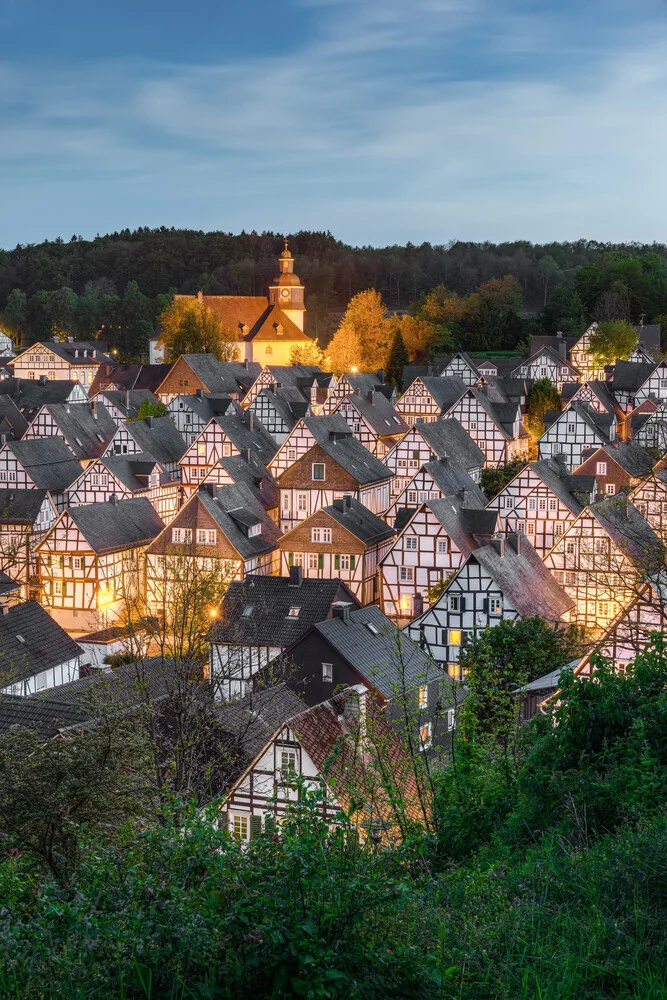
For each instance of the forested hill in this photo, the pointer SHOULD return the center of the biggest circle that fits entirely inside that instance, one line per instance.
(104, 271)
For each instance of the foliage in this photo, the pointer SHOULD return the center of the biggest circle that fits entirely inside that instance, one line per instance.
(308, 354)
(396, 361)
(542, 397)
(495, 480)
(188, 326)
(150, 409)
(612, 341)
(362, 339)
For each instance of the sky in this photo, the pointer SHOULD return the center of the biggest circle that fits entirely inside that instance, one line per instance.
(380, 121)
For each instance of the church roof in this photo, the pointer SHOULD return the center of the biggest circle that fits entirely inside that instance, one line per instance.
(254, 312)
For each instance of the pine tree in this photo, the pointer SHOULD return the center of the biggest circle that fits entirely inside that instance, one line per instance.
(396, 360)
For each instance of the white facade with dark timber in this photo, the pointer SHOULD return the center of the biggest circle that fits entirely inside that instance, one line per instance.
(494, 427)
(545, 363)
(569, 432)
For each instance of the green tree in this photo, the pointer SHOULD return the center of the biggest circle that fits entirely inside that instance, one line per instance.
(396, 361)
(542, 397)
(187, 326)
(150, 409)
(15, 313)
(612, 341)
(495, 480)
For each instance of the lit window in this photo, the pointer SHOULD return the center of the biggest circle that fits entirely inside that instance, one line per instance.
(406, 574)
(327, 673)
(226, 450)
(201, 449)
(269, 350)
(455, 637)
(425, 735)
(405, 602)
(320, 535)
(181, 535)
(240, 827)
(600, 468)
(610, 489)
(318, 471)
(603, 609)
(411, 542)
(423, 697)
(294, 612)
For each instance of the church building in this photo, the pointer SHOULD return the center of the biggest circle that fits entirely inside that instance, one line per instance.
(267, 328)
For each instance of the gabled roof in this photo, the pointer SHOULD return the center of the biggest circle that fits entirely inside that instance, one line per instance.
(322, 426)
(73, 353)
(253, 311)
(629, 376)
(234, 508)
(128, 401)
(254, 719)
(630, 456)
(629, 530)
(350, 454)
(503, 415)
(48, 461)
(448, 439)
(600, 423)
(255, 475)
(602, 391)
(364, 382)
(125, 686)
(379, 413)
(358, 520)
(267, 601)
(221, 376)
(445, 391)
(246, 431)
(648, 335)
(504, 366)
(131, 470)
(12, 422)
(87, 427)
(293, 376)
(20, 506)
(521, 576)
(47, 716)
(383, 655)
(573, 490)
(109, 527)
(552, 355)
(32, 641)
(208, 405)
(7, 586)
(289, 403)
(465, 524)
(452, 480)
(30, 394)
(129, 376)
(158, 437)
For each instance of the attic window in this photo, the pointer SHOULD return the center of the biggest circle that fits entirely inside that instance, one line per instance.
(20, 638)
(293, 612)
(247, 611)
(254, 529)
(100, 437)
(371, 628)
(79, 442)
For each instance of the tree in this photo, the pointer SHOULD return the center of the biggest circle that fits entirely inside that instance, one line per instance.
(543, 396)
(396, 361)
(362, 339)
(612, 341)
(188, 326)
(150, 409)
(495, 480)
(308, 354)
(15, 313)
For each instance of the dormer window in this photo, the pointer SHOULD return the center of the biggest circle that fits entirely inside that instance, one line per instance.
(254, 530)
(372, 628)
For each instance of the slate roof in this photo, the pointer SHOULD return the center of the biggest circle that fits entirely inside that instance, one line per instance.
(573, 490)
(246, 431)
(87, 435)
(351, 455)
(448, 439)
(131, 470)
(445, 391)
(451, 479)
(31, 394)
(289, 403)
(124, 686)
(294, 376)
(109, 527)
(379, 413)
(158, 437)
(233, 508)
(364, 382)
(629, 376)
(31, 641)
(503, 414)
(359, 520)
(222, 376)
(73, 353)
(255, 475)
(128, 401)
(271, 598)
(130, 376)
(551, 354)
(322, 426)
(12, 422)
(48, 716)
(383, 655)
(256, 718)
(7, 586)
(648, 336)
(537, 341)
(601, 389)
(504, 366)
(48, 461)
(20, 506)
(523, 578)
(465, 524)
(629, 530)
(601, 423)
(630, 456)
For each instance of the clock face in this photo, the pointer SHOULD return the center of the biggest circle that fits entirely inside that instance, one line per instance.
(284, 293)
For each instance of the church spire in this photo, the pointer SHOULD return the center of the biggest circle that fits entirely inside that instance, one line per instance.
(286, 292)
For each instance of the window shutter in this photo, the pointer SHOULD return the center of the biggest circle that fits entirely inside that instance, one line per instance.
(255, 826)
(485, 605)
(270, 824)
(336, 561)
(463, 604)
(290, 558)
(320, 560)
(223, 821)
(353, 562)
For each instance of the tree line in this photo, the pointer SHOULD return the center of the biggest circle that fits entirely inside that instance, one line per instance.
(115, 286)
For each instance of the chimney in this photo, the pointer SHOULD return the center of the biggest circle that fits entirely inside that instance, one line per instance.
(43, 379)
(113, 499)
(211, 489)
(127, 400)
(418, 605)
(200, 296)
(370, 395)
(3, 439)
(341, 609)
(517, 542)
(56, 340)
(199, 393)
(355, 701)
(339, 504)
(247, 454)
(70, 340)
(295, 576)
(245, 363)
(499, 545)
(93, 408)
(348, 501)
(149, 421)
(251, 420)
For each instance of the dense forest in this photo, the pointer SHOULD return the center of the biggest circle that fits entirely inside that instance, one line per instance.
(115, 286)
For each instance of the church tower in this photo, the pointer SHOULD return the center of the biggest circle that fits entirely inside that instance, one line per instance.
(286, 292)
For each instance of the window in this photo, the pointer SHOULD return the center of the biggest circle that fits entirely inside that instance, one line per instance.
(201, 449)
(558, 529)
(600, 468)
(451, 719)
(442, 546)
(291, 454)
(553, 504)
(412, 496)
(406, 574)
(532, 503)
(371, 628)
(313, 560)
(318, 471)
(610, 489)
(181, 535)
(295, 559)
(531, 527)
(563, 372)
(206, 536)
(301, 501)
(287, 764)
(402, 463)
(294, 612)
(254, 530)
(543, 372)
(226, 450)
(570, 428)
(603, 609)
(247, 611)
(570, 547)
(240, 827)
(411, 543)
(425, 735)
(423, 697)
(600, 547)
(77, 562)
(32, 375)
(542, 504)
(473, 425)
(58, 588)
(345, 561)
(188, 418)
(455, 603)
(285, 501)
(495, 605)
(269, 350)
(95, 479)
(455, 637)
(509, 501)
(320, 535)
(327, 673)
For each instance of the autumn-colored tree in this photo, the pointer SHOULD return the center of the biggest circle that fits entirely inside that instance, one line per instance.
(418, 336)
(188, 326)
(362, 339)
(396, 361)
(612, 341)
(307, 354)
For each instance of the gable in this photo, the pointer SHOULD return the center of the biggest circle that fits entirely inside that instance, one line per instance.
(300, 473)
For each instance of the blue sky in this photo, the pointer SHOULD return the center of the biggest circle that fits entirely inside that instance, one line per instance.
(378, 120)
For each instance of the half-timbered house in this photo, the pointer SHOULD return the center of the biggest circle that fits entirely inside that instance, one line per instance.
(116, 377)
(203, 371)
(618, 466)
(191, 414)
(89, 563)
(220, 530)
(342, 540)
(221, 438)
(42, 464)
(461, 366)
(335, 466)
(546, 363)
(247, 469)
(87, 428)
(604, 559)
(373, 420)
(494, 426)
(635, 382)
(154, 436)
(25, 515)
(432, 544)
(541, 501)
(437, 479)
(13, 424)
(429, 398)
(126, 477)
(648, 427)
(71, 360)
(503, 579)
(278, 410)
(650, 499)
(30, 396)
(296, 377)
(260, 617)
(124, 404)
(348, 384)
(569, 432)
(582, 358)
(37, 653)
(307, 432)
(426, 442)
